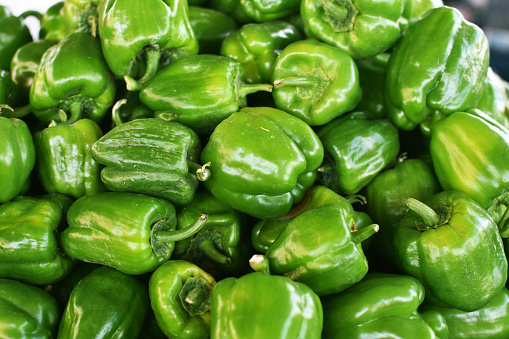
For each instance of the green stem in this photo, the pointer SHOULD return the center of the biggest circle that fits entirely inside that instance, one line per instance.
(357, 198)
(183, 233)
(152, 57)
(195, 295)
(339, 12)
(209, 249)
(115, 112)
(296, 81)
(76, 109)
(364, 233)
(245, 89)
(260, 263)
(428, 215)
(203, 173)
(18, 112)
(36, 14)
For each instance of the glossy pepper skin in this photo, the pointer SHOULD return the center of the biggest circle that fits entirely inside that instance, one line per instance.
(14, 35)
(372, 81)
(17, 154)
(321, 247)
(257, 45)
(199, 91)
(463, 163)
(315, 87)
(11, 96)
(211, 28)
(379, 306)
(73, 77)
(362, 28)
(287, 309)
(130, 29)
(438, 64)
(256, 10)
(105, 303)
(101, 224)
(347, 167)
(262, 160)
(166, 169)
(495, 98)
(220, 246)
(27, 311)
(490, 321)
(52, 23)
(415, 9)
(452, 245)
(64, 161)
(180, 295)
(30, 249)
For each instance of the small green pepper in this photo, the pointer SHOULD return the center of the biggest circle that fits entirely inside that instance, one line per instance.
(52, 23)
(211, 28)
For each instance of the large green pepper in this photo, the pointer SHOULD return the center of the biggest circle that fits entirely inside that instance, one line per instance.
(379, 306)
(199, 91)
(438, 64)
(30, 250)
(315, 87)
(105, 304)
(349, 167)
(257, 45)
(17, 154)
(488, 322)
(150, 156)
(180, 295)
(74, 78)
(211, 28)
(262, 160)
(131, 30)
(257, 305)
(495, 98)
(14, 34)
(64, 161)
(244, 11)
(362, 28)
(52, 23)
(321, 246)
(26, 311)
(81, 16)
(220, 247)
(452, 245)
(131, 232)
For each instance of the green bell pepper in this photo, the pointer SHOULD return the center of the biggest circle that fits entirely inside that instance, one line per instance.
(415, 9)
(11, 96)
(101, 224)
(258, 305)
(105, 304)
(52, 23)
(17, 154)
(128, 107)
(321, 246)
(452, 245)
(489, 322)
(199, 91)
(74, 78)
(14, 35)
(180, 295)
(257, 45)
(438, 64)
(27, 311)
(134, 32)
(362, 28)
(348, 167)
(372, 80)
(262, 161)
(245, 11)
(315, 87)
(379, 306)
(30, 250)
(495, 99)
(166, 169)
(64, 161)
(211, 28)
(81, 16)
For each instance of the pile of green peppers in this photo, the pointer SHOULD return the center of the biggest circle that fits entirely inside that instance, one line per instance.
(276, 169)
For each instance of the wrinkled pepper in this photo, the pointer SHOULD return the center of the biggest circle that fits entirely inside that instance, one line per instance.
(101, 224)
(287, 309)
(73, 78)
(452, 245)
(14, 34)
(180, 295)
(27, 311)
(379, 306)
(262, 161)
(315, 87)
(29, 235)
(211, 28)
(245, 11)
(199, 91)
(166, 169)
(105, 303)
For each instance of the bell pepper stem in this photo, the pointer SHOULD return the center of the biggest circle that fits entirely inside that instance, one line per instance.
(33, 13)
(339, 12)
(152, 57)
(195, 295)
(115, 112)
(357, 198)
(364, 233)
(428, 215)
(260, 263)
(203, 173)
(499, 211)
(18, 112)
(296, 81)
(245, 89)
(76, 109)
(209, 249)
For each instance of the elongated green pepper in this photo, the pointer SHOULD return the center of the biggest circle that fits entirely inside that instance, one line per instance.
(180, 295)
(101, 224)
